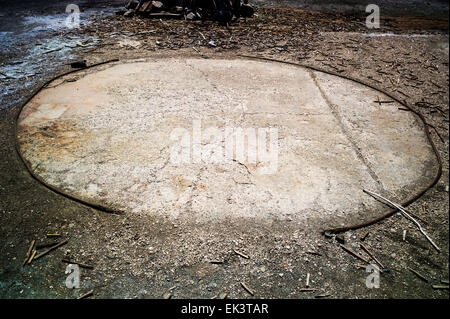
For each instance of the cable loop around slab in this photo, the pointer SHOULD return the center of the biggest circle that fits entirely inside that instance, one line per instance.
(413, 197)
(387, 214)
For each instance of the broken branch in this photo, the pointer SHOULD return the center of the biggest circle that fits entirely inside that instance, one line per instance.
(408, 216)
(371, 255)
(241, 254)
(68, 261)
(30, 249)
(247, 288)
(52, 248)
(355, 254)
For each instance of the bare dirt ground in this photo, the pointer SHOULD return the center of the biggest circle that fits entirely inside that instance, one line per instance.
(136, 257)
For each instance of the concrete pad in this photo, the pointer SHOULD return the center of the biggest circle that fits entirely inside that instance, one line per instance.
(110, 137)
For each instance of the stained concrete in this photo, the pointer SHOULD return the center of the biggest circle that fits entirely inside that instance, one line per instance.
(105, 135)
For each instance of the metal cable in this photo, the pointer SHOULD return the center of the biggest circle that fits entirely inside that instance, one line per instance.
(389, 213)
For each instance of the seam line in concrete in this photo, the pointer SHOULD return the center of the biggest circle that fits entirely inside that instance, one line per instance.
(347, 134)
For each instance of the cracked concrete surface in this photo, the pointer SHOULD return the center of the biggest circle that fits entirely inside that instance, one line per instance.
(106, 137)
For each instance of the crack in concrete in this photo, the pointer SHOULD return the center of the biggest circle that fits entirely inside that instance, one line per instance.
(242, 164)
(214, 86)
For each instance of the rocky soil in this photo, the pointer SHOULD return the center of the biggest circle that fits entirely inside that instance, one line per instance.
(136, 257)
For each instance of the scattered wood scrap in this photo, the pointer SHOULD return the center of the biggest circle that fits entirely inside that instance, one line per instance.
(415, 272)
(45, 252)
(313, 252)
(29, 252)
(349, 250)
(89, 293)
(324, 295)
(405, 214)
(307, 289)
(440, 287)
(247, 289)
(32, 256)
(68, 261)
(363, 237)
(371, 255)
(241, 254)
(53, 235)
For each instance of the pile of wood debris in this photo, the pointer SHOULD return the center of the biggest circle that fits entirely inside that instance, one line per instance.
(219, 10)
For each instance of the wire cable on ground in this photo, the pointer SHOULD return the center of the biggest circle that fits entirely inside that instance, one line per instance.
(387, 214)
(413, 197)
(28, 166)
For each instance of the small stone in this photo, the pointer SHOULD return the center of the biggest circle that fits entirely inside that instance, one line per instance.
(157, 4)
(223, 295)
(190, 16)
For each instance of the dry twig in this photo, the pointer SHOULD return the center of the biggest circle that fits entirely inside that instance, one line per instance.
(404, 213)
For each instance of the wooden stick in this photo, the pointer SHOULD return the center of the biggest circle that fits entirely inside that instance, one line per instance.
(402, 93)
(223, 296)
(45, 245)
(363, 237)
(53, 235)
(307, 289)
(241, 254)
(201, 54)
(408, 216)
(371, 255)
(247, 288)
(52, 248)
(30, 249)
(355, 254)
(440, 287)
(32, 256)
(418, 274)
(168, 296)
(437, 133)
(89, 293)
(380, 102)
(361, 266)
(313, 252)
(65, 260)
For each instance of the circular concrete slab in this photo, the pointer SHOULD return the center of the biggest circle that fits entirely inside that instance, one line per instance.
(163, 138)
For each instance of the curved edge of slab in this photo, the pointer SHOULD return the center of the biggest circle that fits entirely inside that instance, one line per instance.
(353, 124)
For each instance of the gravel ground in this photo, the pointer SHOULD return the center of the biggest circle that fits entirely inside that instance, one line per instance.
(137, 257)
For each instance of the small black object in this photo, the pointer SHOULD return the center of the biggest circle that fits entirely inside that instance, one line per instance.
(247, 10)
(78, 64)
(340, 238)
